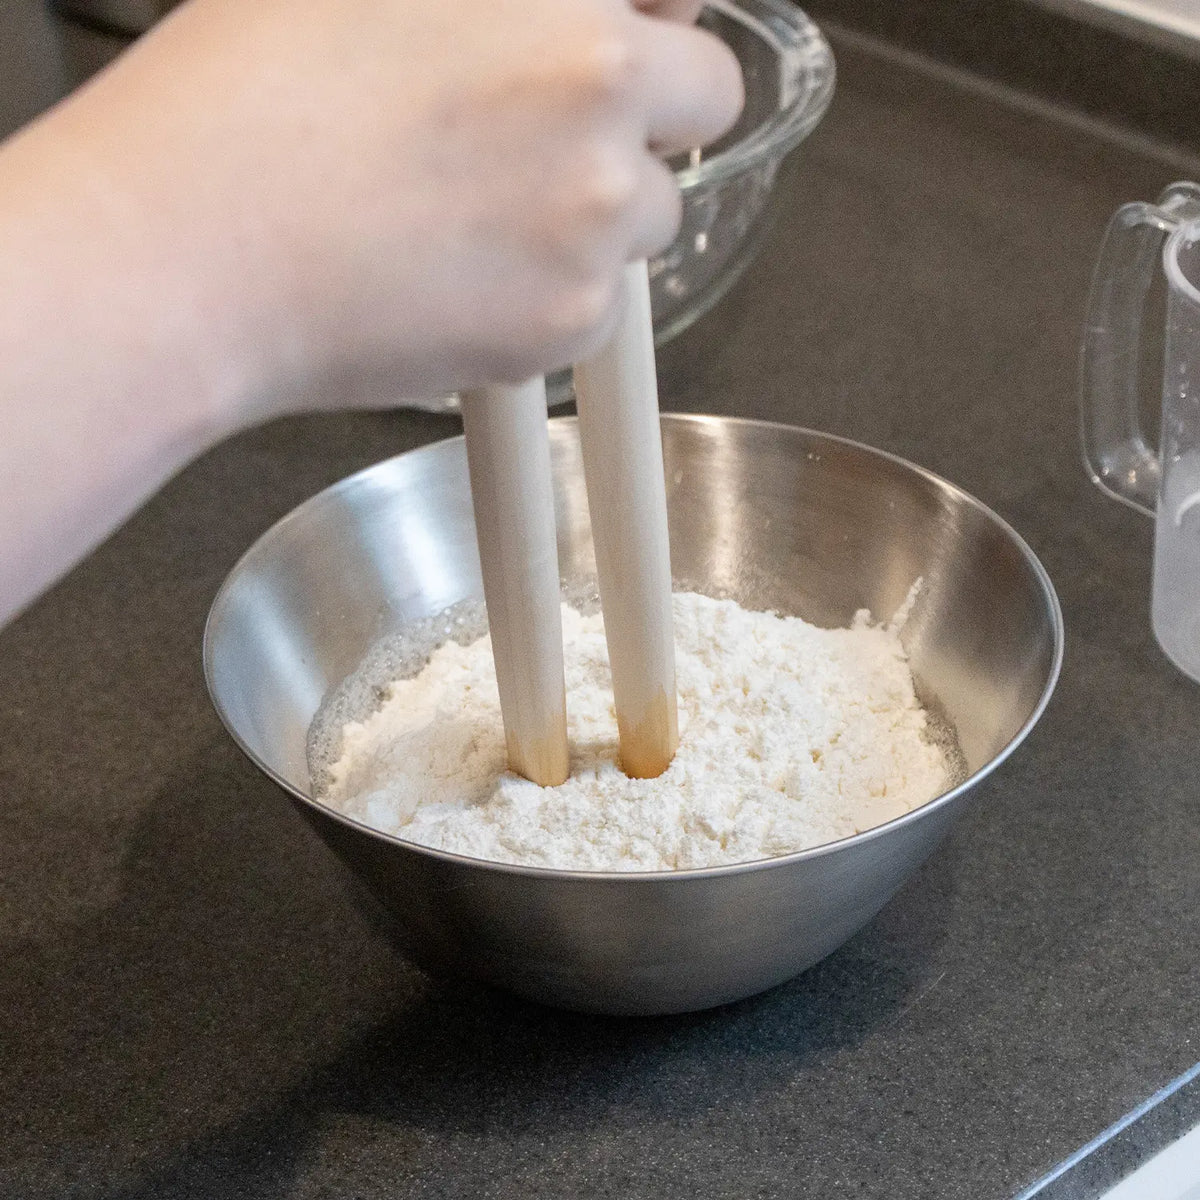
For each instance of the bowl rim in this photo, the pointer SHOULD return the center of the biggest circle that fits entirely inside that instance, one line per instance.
(788, 126)
(1048, 594)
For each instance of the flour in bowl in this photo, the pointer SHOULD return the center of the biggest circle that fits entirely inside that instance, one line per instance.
(790, 736)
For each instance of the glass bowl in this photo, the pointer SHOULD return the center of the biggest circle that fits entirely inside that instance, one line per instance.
(727, 188)
(789, 74)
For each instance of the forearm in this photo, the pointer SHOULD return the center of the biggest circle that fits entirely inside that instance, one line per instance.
(108, 382)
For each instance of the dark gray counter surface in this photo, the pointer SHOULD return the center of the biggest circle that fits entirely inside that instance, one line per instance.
(191, 1007)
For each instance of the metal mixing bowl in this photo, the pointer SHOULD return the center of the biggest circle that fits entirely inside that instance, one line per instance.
(775, 516)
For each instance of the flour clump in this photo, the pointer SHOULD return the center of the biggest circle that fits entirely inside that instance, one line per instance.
(790, 736)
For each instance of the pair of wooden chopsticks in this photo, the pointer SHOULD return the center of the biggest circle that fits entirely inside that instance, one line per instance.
(508, 453)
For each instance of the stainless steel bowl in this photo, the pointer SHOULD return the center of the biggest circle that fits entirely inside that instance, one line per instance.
(776, 516)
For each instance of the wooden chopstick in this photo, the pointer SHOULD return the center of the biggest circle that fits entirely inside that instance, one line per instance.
(508, 456)
(617, 394)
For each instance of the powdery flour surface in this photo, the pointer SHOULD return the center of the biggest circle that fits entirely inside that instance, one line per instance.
(790, 736)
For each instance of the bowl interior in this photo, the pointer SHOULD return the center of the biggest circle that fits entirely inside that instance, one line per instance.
(775, 516)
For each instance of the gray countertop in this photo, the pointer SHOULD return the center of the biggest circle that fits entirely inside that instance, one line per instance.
(190, 1006)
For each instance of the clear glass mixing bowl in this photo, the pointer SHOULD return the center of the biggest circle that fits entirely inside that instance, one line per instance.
(728, 187)
(789, 73)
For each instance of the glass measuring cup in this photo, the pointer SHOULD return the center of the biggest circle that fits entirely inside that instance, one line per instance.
(1163, 483)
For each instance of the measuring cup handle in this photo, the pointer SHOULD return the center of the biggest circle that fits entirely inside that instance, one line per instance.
(1115, 451)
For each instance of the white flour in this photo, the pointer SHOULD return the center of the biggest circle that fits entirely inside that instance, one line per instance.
(790, 736)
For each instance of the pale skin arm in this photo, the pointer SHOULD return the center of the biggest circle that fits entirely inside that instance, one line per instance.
(269, 207)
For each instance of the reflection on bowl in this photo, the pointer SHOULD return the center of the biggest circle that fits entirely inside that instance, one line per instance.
(777, 517)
